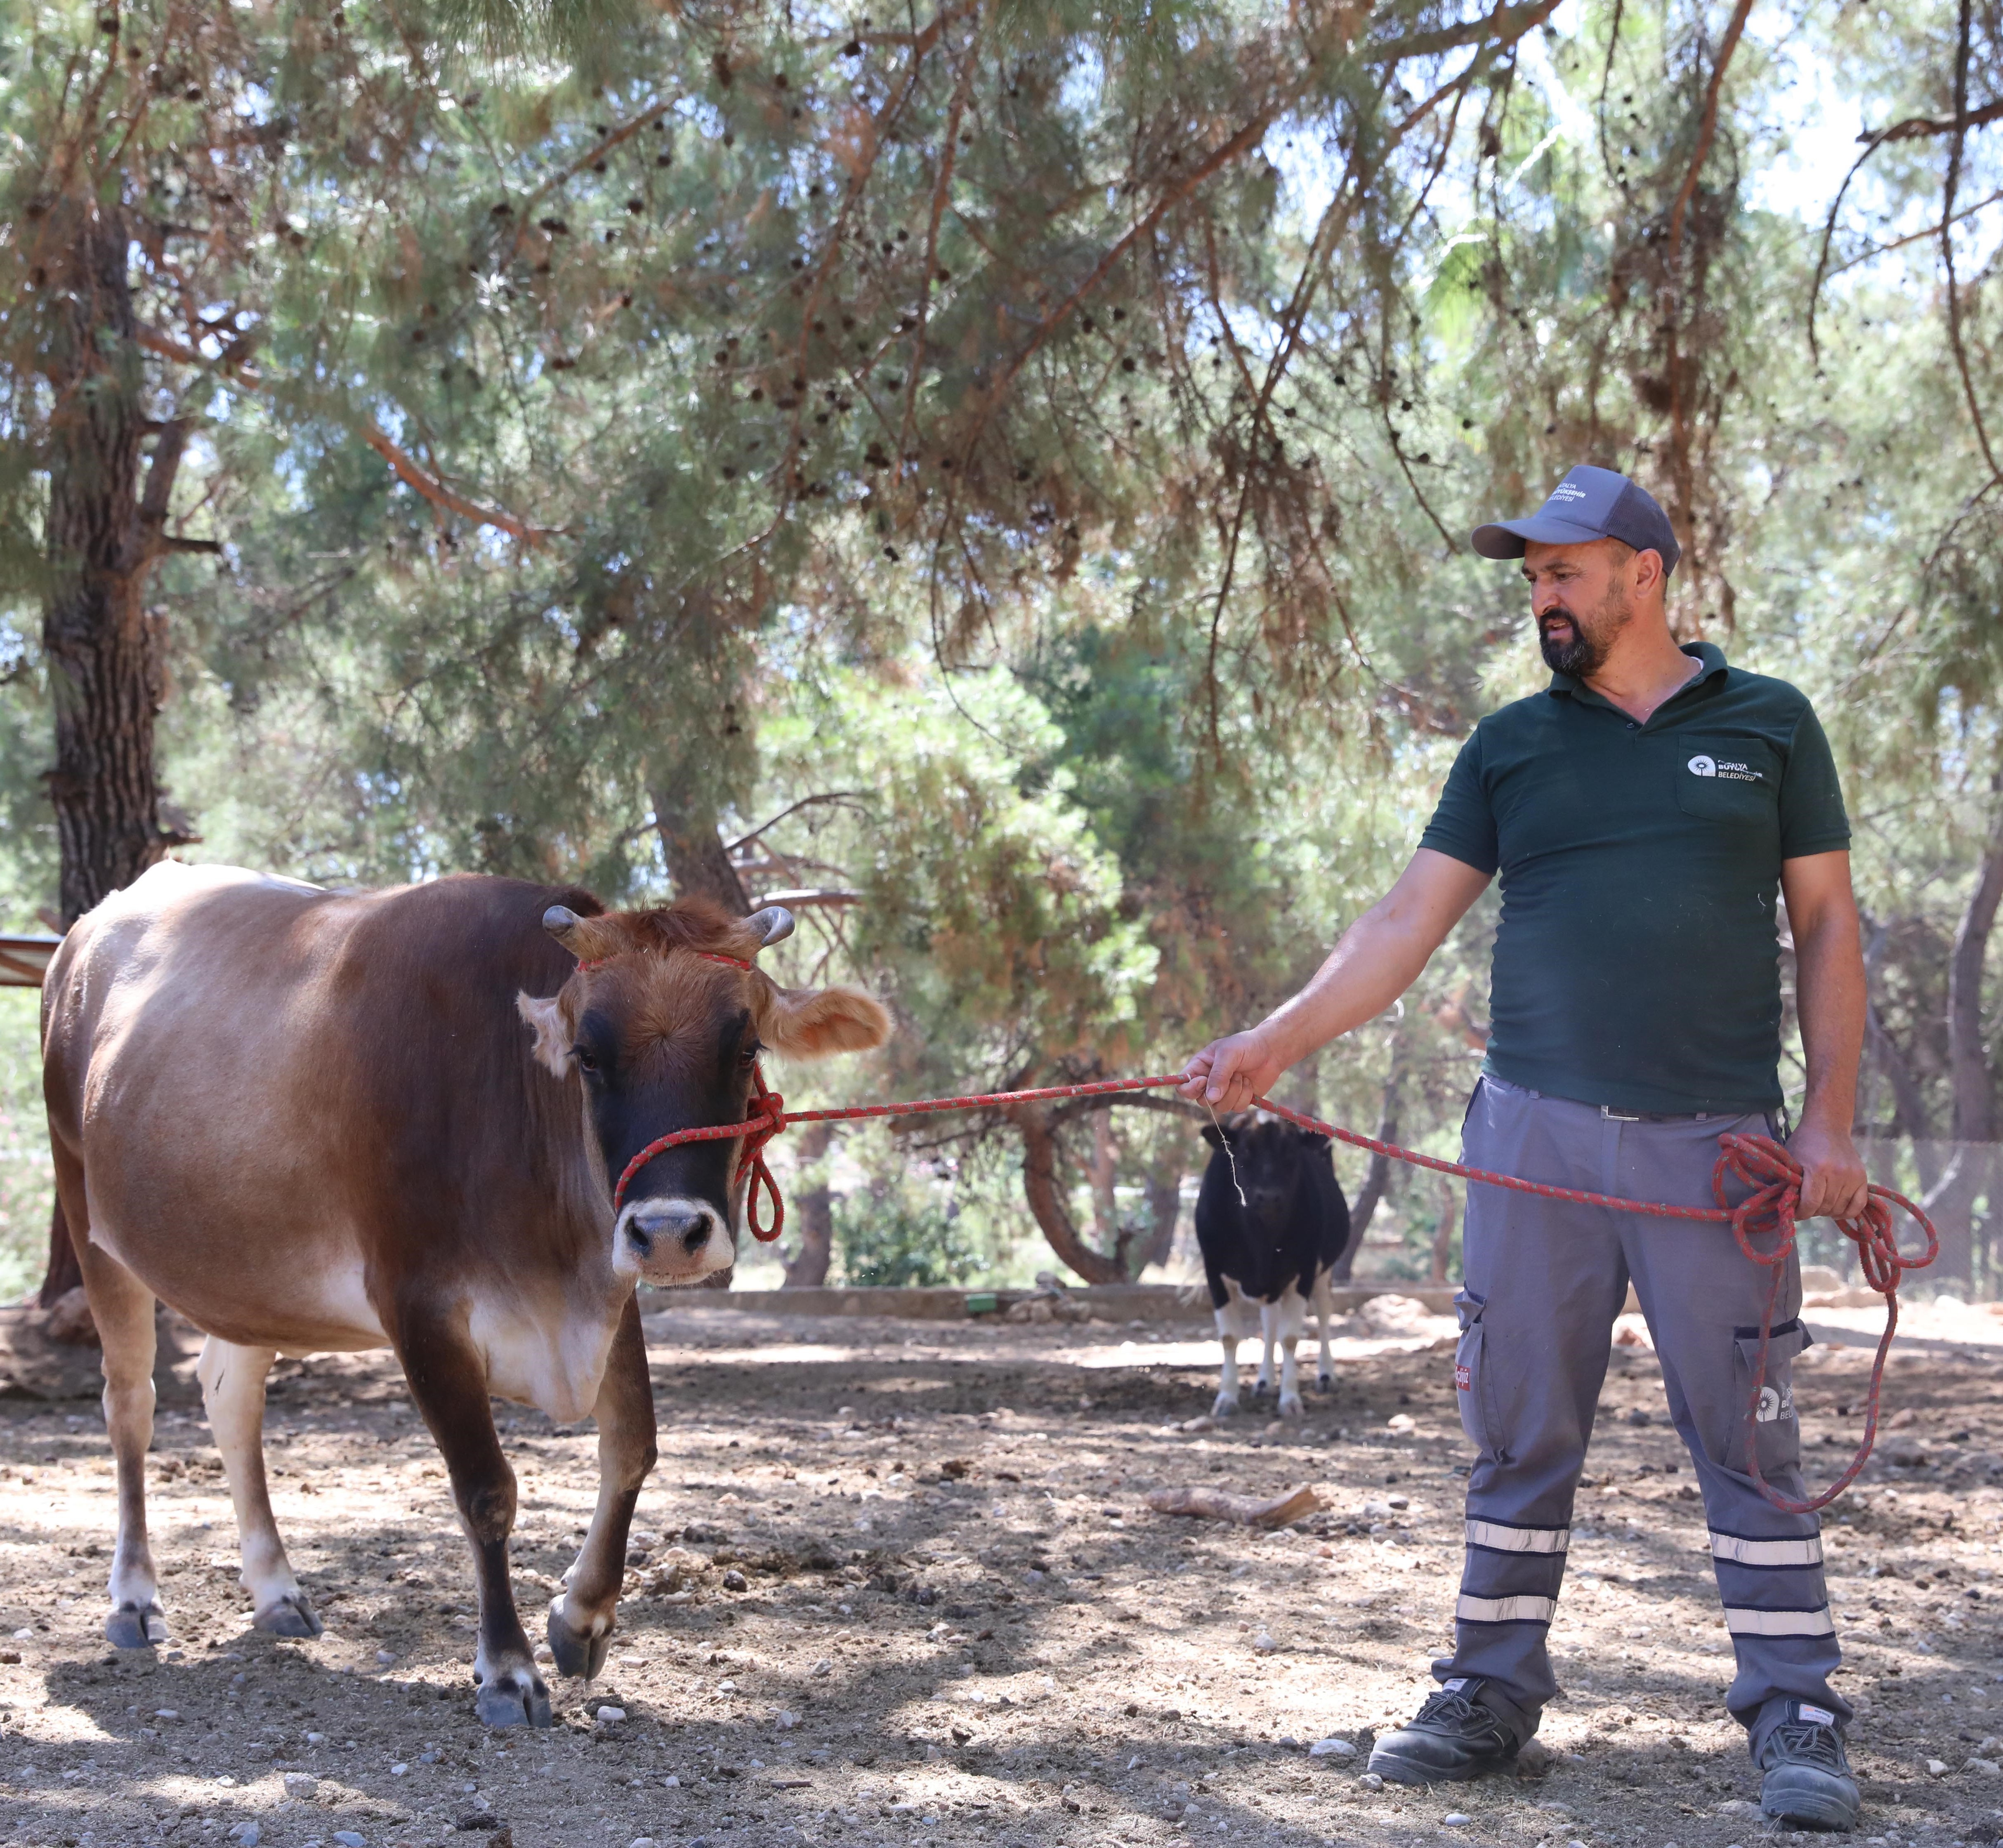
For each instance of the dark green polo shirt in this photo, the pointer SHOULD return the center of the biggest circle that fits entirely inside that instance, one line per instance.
(1637, 963)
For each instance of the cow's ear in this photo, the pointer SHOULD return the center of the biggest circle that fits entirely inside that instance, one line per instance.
(810, 1023)
(1315, 1140)
(545, 1019)
(1213, 1135)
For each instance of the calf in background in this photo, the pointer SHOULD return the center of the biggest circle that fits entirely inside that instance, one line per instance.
(1271, 1223)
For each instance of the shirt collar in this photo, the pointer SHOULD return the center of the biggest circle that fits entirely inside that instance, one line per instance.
(1712, 657)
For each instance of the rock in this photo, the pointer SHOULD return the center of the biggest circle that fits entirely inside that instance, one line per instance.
(1394, 1315)
(349, 1837)
(1331, 1748)
(640, 1841)
(1401, 1422)
(1455, 1820)
(734, 1581)
(785, 1721)
(1989, 1767)
(1936, 1768)
(1263, 1643)
(609, 1715)
(820, 1667)
(1638, 1417)
(246, 1833)
(1205, 1423)
(1370, 1781)
(1737, 1806)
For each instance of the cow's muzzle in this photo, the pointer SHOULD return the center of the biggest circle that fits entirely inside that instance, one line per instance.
(675, 1240)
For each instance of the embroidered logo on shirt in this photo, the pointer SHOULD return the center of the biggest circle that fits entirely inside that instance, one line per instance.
(1702, 766)
(1464, 1377)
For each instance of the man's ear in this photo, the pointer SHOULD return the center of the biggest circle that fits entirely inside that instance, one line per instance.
(545, 1019)
(809, 1023)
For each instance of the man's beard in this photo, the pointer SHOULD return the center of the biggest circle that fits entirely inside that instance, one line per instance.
(1592, 638)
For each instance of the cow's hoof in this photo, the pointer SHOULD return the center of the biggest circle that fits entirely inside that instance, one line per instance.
(291, 1616)
(1290, 1405)
(515, 1698)
(1325, 1382)
(1260, 1388)
(577, 1652)
(1226, 1406)
(131, 1627)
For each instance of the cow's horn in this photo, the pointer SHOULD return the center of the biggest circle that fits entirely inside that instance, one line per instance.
(774, 924)
(560, 920)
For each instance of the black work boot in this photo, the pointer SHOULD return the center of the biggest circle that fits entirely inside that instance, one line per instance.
(1807, 1779)
(1452, 1737)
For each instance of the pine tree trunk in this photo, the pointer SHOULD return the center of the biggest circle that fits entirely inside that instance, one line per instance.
(813, 1212)
(1952, 1202)
(1041, 1188)
(1377, 1176)
(696, 862)
(105, 682)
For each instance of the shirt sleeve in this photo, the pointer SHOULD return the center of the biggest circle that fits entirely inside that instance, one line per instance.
(1463, 826)
(1812, 817)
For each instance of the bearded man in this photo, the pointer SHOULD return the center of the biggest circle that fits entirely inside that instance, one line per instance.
(1643, 811)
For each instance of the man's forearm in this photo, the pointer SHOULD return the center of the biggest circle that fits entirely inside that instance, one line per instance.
(1829, 966)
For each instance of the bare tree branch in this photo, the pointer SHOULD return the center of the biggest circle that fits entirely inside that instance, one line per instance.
(1918, 127)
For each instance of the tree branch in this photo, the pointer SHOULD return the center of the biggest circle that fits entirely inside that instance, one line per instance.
(440, 495)
(1918, 127)
(433, 490)
(1958, 129)
(805, 801)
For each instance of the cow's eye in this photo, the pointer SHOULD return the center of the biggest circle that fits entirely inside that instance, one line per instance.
(586, 1060)
(747, 1056)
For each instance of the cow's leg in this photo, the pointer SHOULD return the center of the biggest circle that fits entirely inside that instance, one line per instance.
(1263, 1384)
(123, 1308)
(232, 1390)
(1227, 1392)
(581, 1620)
(1324, 1307)
(1286, 1319)
(448, 1380)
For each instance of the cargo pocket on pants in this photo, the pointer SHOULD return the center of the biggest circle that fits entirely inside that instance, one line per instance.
(1470, 1375)
(1779, 1429)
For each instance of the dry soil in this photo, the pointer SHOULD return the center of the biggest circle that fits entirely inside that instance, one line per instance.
(919, 1598)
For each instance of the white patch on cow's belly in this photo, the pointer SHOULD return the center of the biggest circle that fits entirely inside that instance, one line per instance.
(1240, 1316)
(556, 1364)
(329, 1300)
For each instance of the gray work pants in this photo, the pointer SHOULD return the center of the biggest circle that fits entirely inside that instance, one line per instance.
(1545, 1280)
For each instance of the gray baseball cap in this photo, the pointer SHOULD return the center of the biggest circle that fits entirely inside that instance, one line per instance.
(1588, 503)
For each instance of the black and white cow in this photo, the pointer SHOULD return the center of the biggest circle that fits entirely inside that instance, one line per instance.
(1271, 1223)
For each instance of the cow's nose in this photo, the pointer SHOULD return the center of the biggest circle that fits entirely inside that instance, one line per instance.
(644, 1230)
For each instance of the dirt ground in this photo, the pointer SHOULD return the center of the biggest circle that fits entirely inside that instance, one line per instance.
(919, 1598)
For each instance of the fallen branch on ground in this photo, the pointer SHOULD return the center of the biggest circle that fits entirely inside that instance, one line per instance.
(1217, 1504)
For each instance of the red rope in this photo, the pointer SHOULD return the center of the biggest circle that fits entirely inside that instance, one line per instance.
(1772, 1176)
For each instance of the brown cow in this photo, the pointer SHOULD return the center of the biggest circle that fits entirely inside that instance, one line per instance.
(314, 1122)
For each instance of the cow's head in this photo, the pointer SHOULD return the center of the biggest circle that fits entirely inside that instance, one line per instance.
(1270, 1160)
(658, 1036)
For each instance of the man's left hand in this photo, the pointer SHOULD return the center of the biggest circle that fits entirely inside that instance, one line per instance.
(1834, 1183)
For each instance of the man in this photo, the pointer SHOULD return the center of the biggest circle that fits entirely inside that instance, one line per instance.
(1642, 810)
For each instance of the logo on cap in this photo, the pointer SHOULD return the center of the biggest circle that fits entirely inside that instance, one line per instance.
(1701, 766)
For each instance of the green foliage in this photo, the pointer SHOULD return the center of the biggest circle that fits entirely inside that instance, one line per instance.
(895, 1232)
(889, 434)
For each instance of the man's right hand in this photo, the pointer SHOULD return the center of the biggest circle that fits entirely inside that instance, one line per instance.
(1229, 1073)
